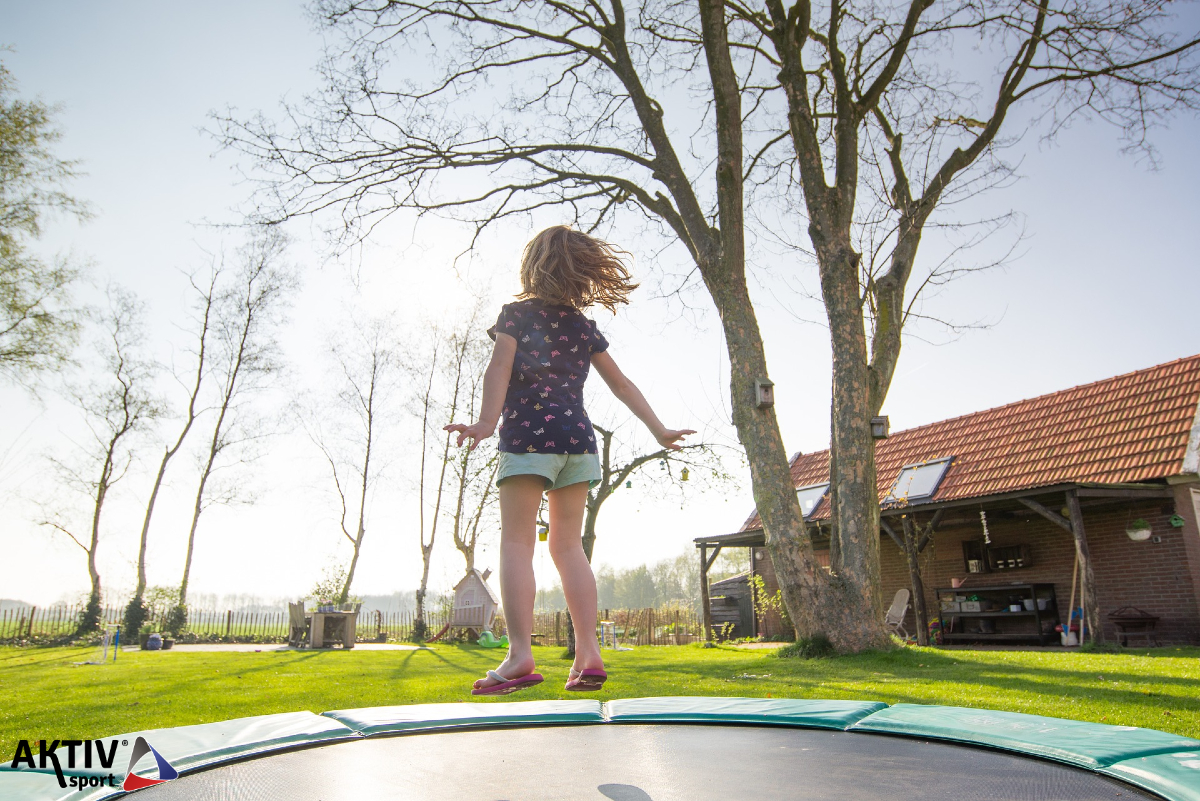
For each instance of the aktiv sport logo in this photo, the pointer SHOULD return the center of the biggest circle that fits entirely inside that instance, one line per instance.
(135, 782)
(51, 755)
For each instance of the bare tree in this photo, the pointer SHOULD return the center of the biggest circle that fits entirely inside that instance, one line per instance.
(136, 610)
(617, 470)
(550, 104)
(676, 467)
(443, 376)
(476, 498)
(116, 407)
(368, 362)
(246, 359)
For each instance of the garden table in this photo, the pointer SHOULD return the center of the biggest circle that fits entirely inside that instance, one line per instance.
(330, 628)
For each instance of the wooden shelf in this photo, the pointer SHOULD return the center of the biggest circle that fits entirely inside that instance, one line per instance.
(1025, 636)
(1026, 624)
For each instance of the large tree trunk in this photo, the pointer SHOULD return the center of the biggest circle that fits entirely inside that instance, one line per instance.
(843, 606)
(852, 472)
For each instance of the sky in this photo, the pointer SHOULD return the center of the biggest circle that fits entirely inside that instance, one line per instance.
(1103, 284)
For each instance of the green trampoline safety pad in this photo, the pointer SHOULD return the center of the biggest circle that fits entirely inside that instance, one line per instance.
(423, 717)
(1175, 775)
(186, 748)
(1086, 745)
(762, 711)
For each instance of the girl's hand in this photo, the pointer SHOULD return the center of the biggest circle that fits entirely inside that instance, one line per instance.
(668, 438)
(476, 431)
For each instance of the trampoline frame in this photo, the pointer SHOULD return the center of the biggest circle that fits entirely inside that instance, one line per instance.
(1164, 764)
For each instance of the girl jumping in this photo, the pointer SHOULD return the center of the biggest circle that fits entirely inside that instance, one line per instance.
(534, 387)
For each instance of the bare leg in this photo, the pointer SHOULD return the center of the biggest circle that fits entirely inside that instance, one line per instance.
(520, 497)
(566, 506)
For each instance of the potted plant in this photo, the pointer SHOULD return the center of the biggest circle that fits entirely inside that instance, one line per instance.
(1138, 530)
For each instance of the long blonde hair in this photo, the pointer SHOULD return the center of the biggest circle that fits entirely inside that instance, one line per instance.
(570, 268)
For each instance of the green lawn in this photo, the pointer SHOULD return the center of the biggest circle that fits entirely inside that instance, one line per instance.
(46, 696)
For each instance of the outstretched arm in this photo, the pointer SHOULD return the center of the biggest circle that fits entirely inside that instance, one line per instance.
(628, 393)
(495, 386)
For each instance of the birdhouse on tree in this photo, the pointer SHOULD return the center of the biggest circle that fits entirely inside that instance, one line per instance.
(475, 604)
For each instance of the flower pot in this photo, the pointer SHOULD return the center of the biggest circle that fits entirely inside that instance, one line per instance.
(1028, 604)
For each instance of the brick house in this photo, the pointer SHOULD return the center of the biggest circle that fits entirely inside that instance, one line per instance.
(1046, 494)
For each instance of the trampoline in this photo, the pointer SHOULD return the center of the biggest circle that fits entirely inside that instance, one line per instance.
(649, 749)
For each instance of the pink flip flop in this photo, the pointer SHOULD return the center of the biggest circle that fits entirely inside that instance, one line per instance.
(507, 686)
(588, 680)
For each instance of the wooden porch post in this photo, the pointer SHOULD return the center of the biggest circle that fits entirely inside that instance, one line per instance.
(705, 604)
(705, 563)
(1088, 593)
(918, 586)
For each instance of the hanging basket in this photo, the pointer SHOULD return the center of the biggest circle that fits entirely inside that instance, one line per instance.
(1138, 530)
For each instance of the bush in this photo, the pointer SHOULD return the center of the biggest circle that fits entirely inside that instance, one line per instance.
(815, 647)
(134, 618)
(176, 620)
(89, 618)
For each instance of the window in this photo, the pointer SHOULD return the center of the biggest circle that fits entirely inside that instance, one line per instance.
(810, 497)
(918, 482)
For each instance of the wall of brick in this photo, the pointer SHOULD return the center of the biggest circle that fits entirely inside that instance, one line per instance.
(1161, 578)
(770, 624)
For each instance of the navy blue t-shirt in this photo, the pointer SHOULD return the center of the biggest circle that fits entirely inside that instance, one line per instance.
(543, 410)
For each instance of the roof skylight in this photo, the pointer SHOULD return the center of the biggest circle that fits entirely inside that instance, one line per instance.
(918, 482)
(810, 497)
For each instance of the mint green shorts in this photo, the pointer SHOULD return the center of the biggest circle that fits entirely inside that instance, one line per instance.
(559, 469)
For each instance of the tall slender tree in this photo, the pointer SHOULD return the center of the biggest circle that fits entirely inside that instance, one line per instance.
(476, 498)
(246, 359)
(347, 429)
(136, 610)
(444, 373)
(580, 106)
(117, 405)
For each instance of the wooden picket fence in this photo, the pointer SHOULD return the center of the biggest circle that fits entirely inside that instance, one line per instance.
(672, 626)
(207, 624)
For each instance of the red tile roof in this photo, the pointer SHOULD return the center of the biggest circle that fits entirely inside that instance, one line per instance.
(1133, 427)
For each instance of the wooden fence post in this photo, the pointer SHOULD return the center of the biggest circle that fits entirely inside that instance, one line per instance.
(29, 632)
(228, 622)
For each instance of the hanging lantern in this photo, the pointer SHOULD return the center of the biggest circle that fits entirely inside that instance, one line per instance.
(628, 485)
(543, 533)
(684, 475)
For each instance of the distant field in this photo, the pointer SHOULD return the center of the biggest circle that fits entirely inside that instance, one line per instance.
(47, 696)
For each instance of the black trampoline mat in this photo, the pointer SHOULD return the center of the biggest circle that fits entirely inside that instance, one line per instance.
(632, 762)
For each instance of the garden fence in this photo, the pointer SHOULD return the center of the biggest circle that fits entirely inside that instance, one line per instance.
(670, 626)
